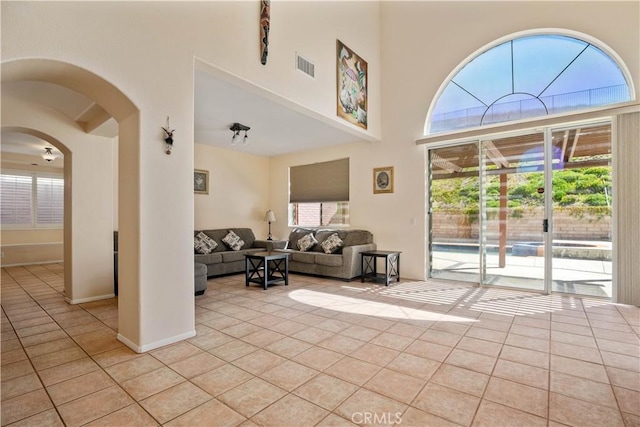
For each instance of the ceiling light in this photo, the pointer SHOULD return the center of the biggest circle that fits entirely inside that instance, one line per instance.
(48, 155)
(236, 128)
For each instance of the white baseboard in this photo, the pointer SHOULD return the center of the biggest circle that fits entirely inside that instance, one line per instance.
(20, 264)
(90, 299)
(148, 347)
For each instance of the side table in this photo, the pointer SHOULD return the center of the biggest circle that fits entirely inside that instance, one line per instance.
(266, 268)
(369, 266)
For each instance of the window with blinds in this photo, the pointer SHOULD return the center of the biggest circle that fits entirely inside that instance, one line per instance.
(16, 193)
(31, 200)
(49, 201)
(319, 194)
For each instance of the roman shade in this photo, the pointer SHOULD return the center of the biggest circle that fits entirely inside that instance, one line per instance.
(319, 182)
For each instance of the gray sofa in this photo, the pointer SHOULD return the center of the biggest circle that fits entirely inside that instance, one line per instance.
(344, 264)
(224, 260)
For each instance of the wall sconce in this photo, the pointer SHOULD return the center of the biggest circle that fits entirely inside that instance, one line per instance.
(168, 139)
(270, 217)
(236, 128)
(48, 155)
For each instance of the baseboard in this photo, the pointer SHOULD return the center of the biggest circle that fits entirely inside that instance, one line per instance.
(20, 264)
(90, 299)
(148, 347)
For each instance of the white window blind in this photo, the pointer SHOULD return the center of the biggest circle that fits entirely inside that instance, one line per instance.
(16, 192)
(31, 200)
(50, 201)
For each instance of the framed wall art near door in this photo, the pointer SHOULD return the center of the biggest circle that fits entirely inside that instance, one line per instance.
(383, 180)
(351, 82)
(200, 181)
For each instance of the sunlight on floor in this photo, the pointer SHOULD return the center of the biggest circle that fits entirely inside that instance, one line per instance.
(372, 308)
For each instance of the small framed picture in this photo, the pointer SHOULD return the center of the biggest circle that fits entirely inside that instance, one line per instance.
(200, 181)
(383, 180)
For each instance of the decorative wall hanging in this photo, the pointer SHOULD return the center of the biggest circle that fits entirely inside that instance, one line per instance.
(200, 181)
(265, 24)
(351, 82)
(383, 180)
(168, 137)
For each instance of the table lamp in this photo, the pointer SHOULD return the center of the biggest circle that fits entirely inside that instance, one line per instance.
(270, 217)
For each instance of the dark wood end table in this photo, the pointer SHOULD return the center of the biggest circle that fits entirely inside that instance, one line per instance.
(369, 266)
(266, 268)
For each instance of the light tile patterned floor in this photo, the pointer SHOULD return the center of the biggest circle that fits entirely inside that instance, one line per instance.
(323, 352)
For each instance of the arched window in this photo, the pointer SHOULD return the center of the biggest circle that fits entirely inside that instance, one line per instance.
(527, 77)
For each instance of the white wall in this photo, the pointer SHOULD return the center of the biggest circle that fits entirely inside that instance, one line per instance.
(422, 42)
(146, 51)
(238, 190)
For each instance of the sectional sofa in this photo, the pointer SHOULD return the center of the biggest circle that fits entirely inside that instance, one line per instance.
(224, 260)
(342, 263)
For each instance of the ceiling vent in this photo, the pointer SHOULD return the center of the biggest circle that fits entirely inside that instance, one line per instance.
(306, 66)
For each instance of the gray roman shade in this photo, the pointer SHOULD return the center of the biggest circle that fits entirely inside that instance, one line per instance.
(319, 182)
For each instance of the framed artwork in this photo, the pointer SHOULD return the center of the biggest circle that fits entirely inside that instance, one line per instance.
(383, 180)
(200, 181)
(351, 82)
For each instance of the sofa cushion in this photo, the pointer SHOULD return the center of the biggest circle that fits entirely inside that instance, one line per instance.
(324, 234)
(357, 237)
(245, 234)
(305, 257)
(331, 260)
(306, 242)
(332, 244)
(296, 234)
(231, 256)
(203, 244)
(214, 258)
(233, 241)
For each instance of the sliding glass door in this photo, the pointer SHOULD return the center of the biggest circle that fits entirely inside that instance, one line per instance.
(528, 210)
(514, 211)
(582, 203)
(454, 213)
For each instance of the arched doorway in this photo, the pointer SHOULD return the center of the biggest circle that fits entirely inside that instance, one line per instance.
(83, 265)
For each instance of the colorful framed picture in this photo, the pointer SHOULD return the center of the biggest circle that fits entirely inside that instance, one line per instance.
(200, 181)
(383, 180)
(351, 82)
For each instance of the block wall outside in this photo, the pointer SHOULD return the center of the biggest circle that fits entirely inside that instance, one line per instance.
(453, 225)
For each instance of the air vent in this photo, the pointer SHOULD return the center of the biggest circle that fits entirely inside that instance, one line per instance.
(306, 66)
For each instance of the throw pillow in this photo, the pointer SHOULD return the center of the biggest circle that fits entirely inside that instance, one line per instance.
(233, 241)
(332, 244)
(306, 242)
(204, 244)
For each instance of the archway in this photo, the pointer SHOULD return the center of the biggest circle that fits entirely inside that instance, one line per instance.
(120, 107)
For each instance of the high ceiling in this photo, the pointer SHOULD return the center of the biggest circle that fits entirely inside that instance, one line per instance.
(277, 125)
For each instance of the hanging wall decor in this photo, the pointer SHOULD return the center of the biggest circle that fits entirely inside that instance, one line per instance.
(168, 137)
(383, 180)
(351, 82)
(265, 18)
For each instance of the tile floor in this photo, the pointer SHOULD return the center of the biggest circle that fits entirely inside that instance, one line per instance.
(323, 352)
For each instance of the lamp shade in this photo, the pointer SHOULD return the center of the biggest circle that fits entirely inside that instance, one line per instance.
(270, 216)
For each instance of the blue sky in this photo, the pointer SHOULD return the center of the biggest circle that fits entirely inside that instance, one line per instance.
(537, 61)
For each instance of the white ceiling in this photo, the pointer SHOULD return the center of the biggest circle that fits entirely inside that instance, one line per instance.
(277, 125)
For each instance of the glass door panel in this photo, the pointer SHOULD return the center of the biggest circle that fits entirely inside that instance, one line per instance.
(513, 205)
(454, 207)
(582, 210)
